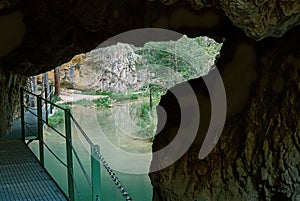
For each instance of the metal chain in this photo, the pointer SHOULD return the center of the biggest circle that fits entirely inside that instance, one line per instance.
(104, 163)
(113, 176)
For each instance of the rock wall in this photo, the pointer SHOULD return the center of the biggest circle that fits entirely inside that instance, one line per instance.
(39, 35)
(124, 67)
(105, 69)
(257, 156)
(9, 99)
(258, 18)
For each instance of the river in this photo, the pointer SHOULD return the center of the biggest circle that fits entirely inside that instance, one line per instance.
(122, 142)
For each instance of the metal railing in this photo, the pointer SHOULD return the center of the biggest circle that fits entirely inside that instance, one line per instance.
(96, 157)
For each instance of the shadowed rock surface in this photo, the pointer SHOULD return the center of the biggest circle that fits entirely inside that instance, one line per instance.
(257, 156)
(258, 18)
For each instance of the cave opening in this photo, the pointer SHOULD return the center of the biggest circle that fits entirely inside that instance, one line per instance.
(257, 157)
(113, 92)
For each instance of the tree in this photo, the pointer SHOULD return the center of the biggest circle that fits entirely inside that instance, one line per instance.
(187, 58)
(56, 82)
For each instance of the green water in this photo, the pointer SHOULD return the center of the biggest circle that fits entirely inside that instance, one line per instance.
(118, 127)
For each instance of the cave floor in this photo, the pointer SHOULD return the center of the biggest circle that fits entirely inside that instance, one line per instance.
(21, 175)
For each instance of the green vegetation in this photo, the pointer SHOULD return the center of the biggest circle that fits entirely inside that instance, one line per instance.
(118, 97)
(57, 118)
(102, 102)
(146, 118)
(187, 57)
(166, 64)
(93, 93)
(56, 99)
(65, 105)
(173, 62)
(124, 97)
(147, 115)
(83, 102)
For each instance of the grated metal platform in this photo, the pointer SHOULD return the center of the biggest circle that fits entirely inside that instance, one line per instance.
(22, 178)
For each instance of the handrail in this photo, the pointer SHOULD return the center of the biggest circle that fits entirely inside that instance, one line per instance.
(43, 99)
(31, 131)
(40, 135)
(64, 164)
(96, 156)
(81, 166)
(30, 111)
(82, 131)
(97, 153)
(115, 179)
(58, 132)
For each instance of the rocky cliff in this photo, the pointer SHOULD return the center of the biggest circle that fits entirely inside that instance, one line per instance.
(105, 69)
(123, 67)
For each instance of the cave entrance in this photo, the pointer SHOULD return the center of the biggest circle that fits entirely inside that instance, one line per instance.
(113, 92)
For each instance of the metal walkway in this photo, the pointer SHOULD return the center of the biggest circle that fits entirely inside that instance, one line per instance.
(22, 178)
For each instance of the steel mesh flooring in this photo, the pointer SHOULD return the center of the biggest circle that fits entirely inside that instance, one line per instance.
(22, 178)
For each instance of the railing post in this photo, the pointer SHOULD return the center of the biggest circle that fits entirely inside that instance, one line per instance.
(96, 174)
(22, 113)
(69, 154)
(40, 129)
(51, 96)
(150, 99)
(46, 104)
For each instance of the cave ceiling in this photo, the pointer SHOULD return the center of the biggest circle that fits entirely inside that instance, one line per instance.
(38, 35)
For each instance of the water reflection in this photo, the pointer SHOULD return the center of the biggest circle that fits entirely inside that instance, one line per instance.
(114, 125)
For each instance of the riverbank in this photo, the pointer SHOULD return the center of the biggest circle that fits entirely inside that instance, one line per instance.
(131, 111)
(71, 95)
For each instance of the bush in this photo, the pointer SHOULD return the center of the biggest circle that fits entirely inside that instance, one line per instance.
(56, 99)
(147, 122)
(57, 118)
(102, 102)
(108, 93)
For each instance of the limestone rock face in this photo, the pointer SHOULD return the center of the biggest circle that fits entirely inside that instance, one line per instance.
(105, 69)
(64, 69)
(258, 18)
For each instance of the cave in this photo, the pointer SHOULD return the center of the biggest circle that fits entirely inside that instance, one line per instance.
(257, 156)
